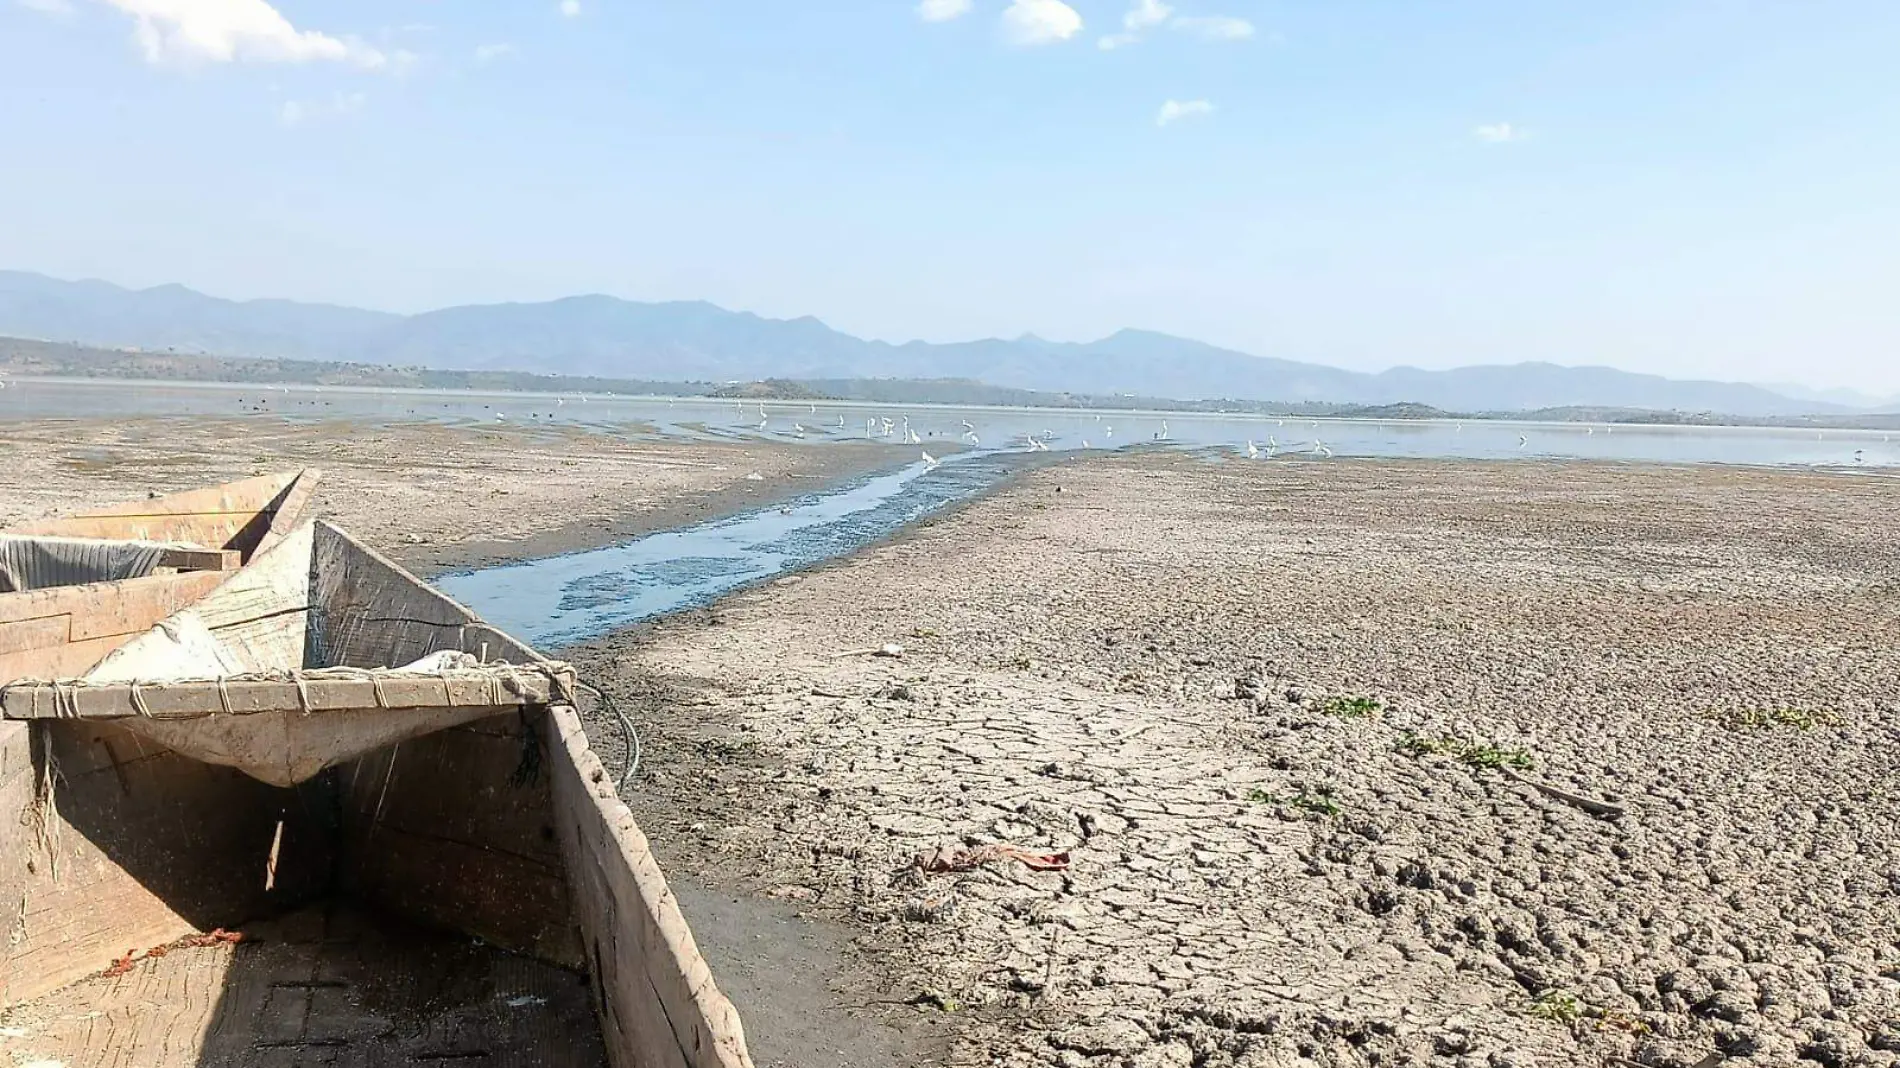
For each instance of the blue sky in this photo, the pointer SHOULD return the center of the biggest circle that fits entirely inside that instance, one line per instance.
(1687, 187)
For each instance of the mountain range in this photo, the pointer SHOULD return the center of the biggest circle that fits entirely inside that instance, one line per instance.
(696, 341)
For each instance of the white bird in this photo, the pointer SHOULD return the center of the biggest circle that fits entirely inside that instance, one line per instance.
(1085, 444)
(500, 418)
(558, 401)
(970, 436)
(1589, 430)
(966, 424)
(1108, 431)
(813, 407)
(1522, 441)
(929, 460)
(1319, 449)
(1163, 436)
(841, 422)
(1253, 451)
(762, 421)
(799, 430)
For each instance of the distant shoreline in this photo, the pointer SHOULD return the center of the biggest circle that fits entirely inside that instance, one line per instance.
(55, 362)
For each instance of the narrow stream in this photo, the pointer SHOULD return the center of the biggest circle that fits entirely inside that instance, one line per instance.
(559, 600)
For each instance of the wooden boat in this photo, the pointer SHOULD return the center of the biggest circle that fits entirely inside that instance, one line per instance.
(72, 590)
(335, 818)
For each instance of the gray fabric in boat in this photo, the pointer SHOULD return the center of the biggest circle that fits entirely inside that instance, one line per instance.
(38, 563)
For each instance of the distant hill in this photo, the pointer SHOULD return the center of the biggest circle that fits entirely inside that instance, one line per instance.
(609, 338)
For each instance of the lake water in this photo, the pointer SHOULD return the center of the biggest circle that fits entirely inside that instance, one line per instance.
(989, 428)
(557, 600)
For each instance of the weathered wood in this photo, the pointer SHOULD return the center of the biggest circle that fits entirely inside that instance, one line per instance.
(491, 689)
(141, 847)
(123, 607)
(328, 985)
(59, 661)
(456, 829)
(98, 618)
(201, 559)
(287, 511)
(660, 1006)
(239, 516)
(24, 634)
(213, 517)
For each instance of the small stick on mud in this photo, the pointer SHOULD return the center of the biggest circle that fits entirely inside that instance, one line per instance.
(1594, 807)
(1049, 969)
(892, 649)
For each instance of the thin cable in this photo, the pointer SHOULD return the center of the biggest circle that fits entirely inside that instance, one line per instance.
(626, 727)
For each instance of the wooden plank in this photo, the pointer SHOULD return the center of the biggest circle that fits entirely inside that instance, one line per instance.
(639, 944)
(151, 846)
(289, 508)
(201, 559)
(456, 829)
(195, 699)
(40, 633)
(248, 494)
(63, 661)
(124, 607)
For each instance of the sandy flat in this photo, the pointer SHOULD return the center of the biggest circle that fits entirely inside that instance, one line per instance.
(435, 497)
(1263, 708)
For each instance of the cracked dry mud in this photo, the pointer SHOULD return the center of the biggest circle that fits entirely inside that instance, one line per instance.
(1152, 662)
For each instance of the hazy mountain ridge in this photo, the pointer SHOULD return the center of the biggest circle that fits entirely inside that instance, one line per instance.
(692, 340)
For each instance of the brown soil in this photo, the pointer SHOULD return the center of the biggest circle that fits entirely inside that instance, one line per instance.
(1262, 707)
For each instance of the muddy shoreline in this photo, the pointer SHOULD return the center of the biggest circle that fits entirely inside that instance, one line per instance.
(434, 498)
(1305, 729)
(1323, 742)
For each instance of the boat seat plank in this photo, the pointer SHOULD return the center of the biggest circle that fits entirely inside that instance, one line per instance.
(488, 688)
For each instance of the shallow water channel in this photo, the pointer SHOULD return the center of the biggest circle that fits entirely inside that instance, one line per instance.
(559, 600)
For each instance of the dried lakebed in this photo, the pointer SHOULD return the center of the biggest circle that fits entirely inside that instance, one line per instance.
(1290, 724)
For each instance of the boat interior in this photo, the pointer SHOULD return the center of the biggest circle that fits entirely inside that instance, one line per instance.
(325, 815)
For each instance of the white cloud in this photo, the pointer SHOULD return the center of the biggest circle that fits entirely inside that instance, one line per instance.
(226, 31)
(1175, 110)
(1149, 14)
(570, 8)
(1215, 27)
(48, 7)
(1498, 133)
(1040, 22)
(488, 53)
(1145, 15)
(942, 10)
(297, 112)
